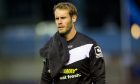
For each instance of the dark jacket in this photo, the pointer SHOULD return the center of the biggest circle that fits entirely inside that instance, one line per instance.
(78, 61)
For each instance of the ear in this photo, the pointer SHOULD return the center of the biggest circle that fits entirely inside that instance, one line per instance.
(74, 18)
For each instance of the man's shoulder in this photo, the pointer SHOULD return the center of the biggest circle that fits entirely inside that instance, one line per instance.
(86, 38)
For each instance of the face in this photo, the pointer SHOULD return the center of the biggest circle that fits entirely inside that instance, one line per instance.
(63, 21)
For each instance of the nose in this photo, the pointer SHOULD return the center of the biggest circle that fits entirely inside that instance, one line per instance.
(59, 21)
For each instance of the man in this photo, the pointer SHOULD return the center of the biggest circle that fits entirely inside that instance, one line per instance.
(71, 57)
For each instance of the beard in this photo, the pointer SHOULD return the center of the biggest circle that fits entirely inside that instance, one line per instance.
(67, 31)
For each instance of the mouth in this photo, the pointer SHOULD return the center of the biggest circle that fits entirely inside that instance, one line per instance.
(60, 27)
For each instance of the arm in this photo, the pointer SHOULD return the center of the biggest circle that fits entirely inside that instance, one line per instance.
(97, 65)
(46, 77)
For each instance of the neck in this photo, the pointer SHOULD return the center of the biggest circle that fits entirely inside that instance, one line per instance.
(71, 34)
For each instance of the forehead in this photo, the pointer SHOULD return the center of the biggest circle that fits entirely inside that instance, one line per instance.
(59, 12)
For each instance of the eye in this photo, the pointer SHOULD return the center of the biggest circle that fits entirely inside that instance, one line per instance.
(56, 18)
(63, 17)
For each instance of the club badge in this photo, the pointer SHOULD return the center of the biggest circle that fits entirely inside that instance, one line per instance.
(98, 52)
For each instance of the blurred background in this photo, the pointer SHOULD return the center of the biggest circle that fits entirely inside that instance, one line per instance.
(26, 25)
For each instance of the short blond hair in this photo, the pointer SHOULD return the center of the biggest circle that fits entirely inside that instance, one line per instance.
(68, 6)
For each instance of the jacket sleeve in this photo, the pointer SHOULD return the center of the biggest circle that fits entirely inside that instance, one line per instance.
(46, 77)
(97, 65)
